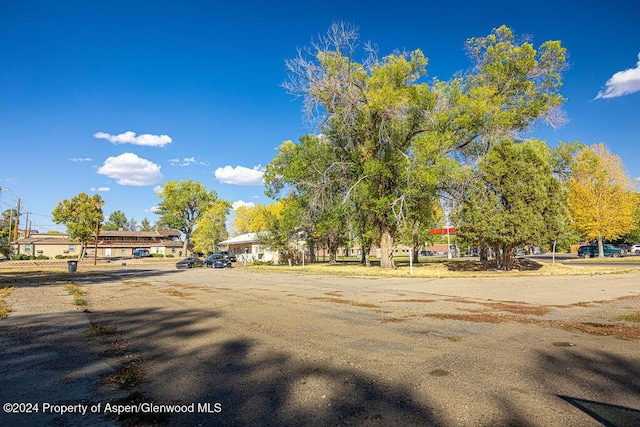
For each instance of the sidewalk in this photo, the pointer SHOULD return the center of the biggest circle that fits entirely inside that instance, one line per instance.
(45, 360)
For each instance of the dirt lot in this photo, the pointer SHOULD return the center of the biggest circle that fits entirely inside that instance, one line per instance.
(246, 347)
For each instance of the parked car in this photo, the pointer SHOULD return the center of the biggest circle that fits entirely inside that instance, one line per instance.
(141, 253)
(227, 255)
(635, 249)
(588, 251)
(217, 261)
(191, 262)
(427, 253)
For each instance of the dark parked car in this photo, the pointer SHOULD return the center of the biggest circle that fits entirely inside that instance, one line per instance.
(217, 261)
(427, 253)
(227, 255)
(589, 251)
(189, 263)
(141, 253)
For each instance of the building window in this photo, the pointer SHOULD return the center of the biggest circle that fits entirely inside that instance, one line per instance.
(27, 248)
(72, 248)
(173, 250)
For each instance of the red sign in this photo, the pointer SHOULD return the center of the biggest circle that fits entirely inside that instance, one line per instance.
(446, 230)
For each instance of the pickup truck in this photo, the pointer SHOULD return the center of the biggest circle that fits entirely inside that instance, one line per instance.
(589, 251)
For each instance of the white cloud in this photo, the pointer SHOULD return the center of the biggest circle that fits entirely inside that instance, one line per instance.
(240, 175)
(157, 189)
(187, 161)
(622, 83)
(153, 210)
(100, 189)
(236, 205)
(129, 169)
(82, 159)
(131, 138)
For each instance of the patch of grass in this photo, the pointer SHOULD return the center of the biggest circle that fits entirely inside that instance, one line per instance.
(582, 303)
(127, 376)
(635, 318)
(76, 292)
(4, 308)
(444, 268)
(618, 331)
(455, 338)
(98, 330)
(518, 308)
(135, 283)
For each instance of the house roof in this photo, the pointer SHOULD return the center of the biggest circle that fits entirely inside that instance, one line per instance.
(242, 238)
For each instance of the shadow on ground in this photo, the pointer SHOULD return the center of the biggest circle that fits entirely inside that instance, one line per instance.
(601, 371)
(192, 360)
(40, 277)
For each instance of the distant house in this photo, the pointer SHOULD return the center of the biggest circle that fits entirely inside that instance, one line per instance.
(248, 245)
(110, 244)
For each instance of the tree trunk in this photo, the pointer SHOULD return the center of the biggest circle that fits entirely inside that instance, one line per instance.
(507, 258)
(185, 245)
(600, 248)
(366, 251)
(332, 247)
(415, 241)
(386, 249)
(484, 252)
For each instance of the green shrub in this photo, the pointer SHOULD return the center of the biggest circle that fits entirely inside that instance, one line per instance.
(66, 257)
(42, 257)
(169, 256)
(157, 255)
(20, 257)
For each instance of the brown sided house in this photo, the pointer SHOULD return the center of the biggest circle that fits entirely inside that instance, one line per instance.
(111, 244)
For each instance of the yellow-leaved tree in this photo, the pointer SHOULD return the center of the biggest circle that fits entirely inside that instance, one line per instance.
(252, 219)
(602, 197)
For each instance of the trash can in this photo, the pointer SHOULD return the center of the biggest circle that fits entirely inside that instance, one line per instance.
(72, 266)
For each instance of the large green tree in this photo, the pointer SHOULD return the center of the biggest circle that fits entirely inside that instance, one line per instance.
(117, 221)
(516, 200)
(145, 225)
(390, 128)
(182, 204)
(312, 173)
(82, 215)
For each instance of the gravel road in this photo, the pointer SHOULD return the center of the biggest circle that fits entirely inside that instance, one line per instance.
(244, 347)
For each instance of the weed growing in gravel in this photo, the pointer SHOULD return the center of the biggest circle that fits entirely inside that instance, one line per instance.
(4, 308)
(630, 317)
(126, 377)
(76, 292)
(97, 330)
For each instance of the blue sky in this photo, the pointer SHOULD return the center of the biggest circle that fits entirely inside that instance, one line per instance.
(117, 97)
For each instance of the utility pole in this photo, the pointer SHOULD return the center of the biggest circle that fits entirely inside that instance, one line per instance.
(26, 226)
(10, 224)
(17, 223)
(95, 249)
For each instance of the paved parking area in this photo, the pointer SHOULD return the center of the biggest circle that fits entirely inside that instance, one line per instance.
(298, 349)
